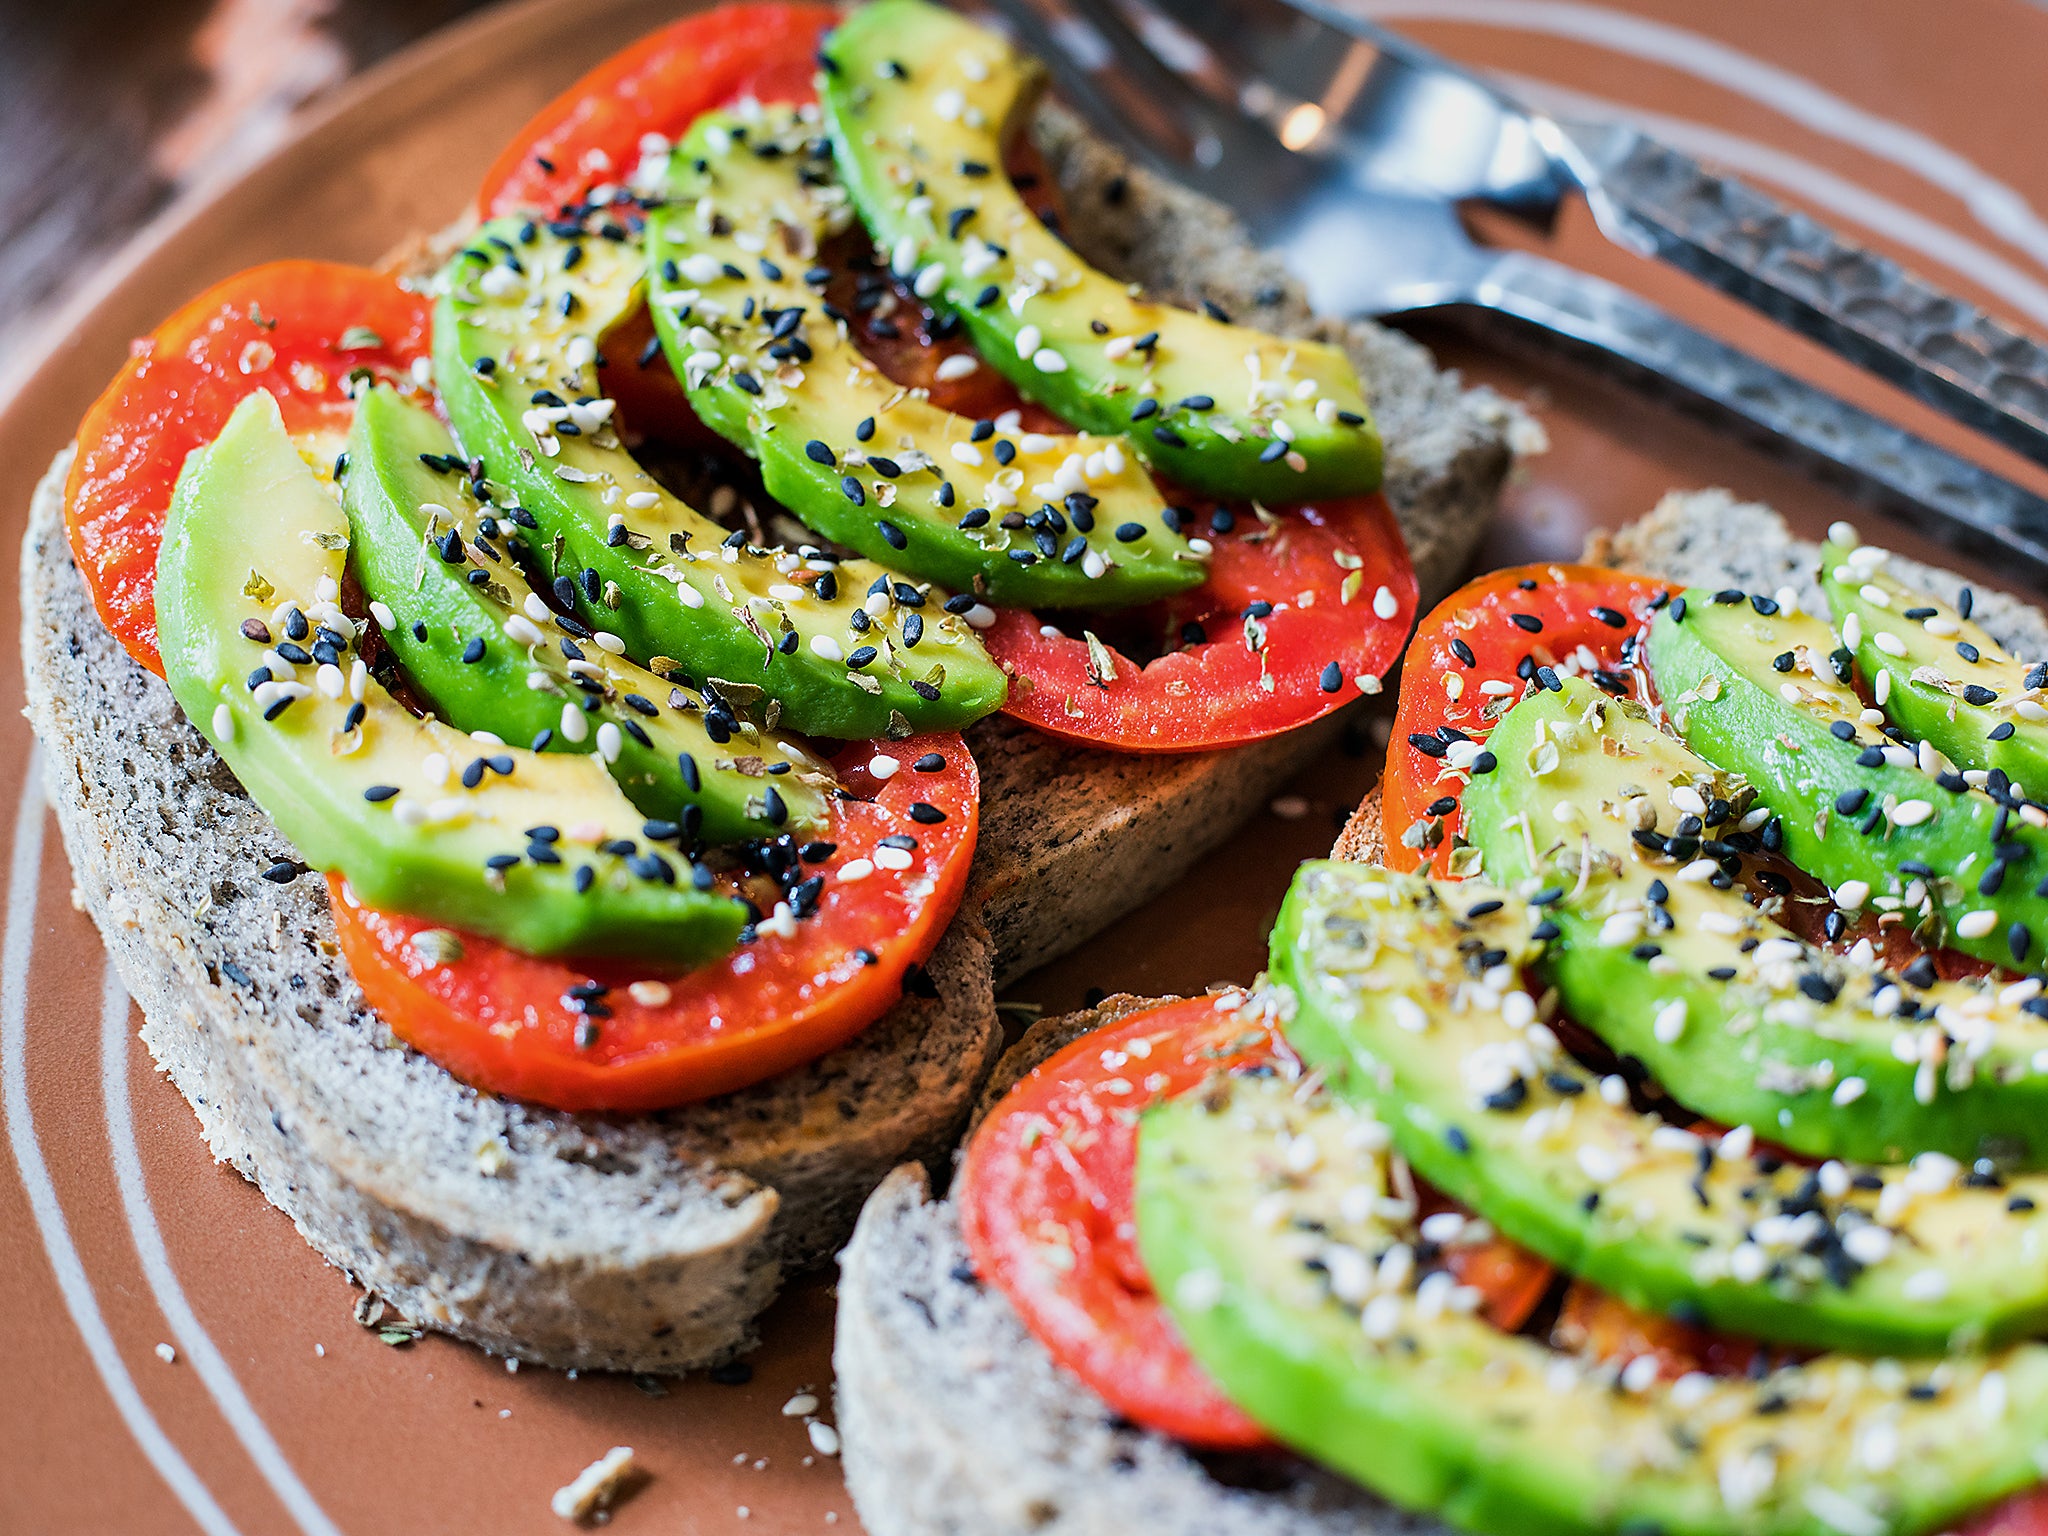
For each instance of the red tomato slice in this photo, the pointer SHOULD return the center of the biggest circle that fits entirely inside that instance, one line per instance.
(1595, 1323)
(1510, 1280)
(590, 134)
(1321, 569)
(1045, 1195)
(2024, 1514)
(1472, 638)
(508, 1023)
(1045, 1205)
(295, 328)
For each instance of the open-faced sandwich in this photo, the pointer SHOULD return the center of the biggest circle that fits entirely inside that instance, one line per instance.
(597, 599)
(1654, 1145)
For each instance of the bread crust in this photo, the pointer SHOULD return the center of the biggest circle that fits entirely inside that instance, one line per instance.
(652, 1243)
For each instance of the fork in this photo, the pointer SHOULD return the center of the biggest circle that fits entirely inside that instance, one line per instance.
(1349, 149)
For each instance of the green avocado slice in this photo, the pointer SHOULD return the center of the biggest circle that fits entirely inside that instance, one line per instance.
(483, 649)
(1407, 999)
(1935, 672)
(419, 817)
(1765, 695)
(1027, 520)
(843, 648)
(1259, 1214)
(1634, 842)
(920, 103)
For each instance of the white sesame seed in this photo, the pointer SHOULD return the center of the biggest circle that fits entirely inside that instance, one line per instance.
(1911, 813)
(1927, 1285)
(1669, 1023)
(1851, 894)
(1384, 604)
(1029, 339)
(650, 994)
(884, 767)
(892, 858)
(385, 618)
(1852, 631)
(855, 869)
(980, 616)
(1598, 1164)
(799, 1406)
(1049, 360)
(966, 453)
(608, 641)
(575, 724)
(1849, 1090)
(1889, 643)
(1877, 597)
(959, 366)
(1844, 534)
(1976, 925)
(522, 629)
(223, 723)
(1640, 1374)
(609, 742)
(1868, 1244)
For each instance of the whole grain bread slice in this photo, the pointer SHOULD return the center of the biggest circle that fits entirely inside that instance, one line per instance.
(652, 1243)
(955, 1419)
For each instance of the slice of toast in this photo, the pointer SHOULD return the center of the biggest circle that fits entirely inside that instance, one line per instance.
(927, 1359)
(652, 1243)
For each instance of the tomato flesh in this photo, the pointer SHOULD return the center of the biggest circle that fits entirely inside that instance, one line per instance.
(1240, 674)
(295, 328)
(591, 133)
(1045, 1198)
(1472, 638)
(510, 1023)
(2024, 1514)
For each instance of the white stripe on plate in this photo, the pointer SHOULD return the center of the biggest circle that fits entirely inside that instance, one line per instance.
(16, 950)
(191, 1335)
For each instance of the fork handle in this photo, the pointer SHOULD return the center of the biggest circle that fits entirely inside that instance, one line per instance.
(1864, 305)
(1953, 500)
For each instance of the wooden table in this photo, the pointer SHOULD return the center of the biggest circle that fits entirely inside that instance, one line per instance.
(110, 109)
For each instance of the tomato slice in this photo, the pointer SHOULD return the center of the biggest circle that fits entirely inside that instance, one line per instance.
(1291, 618)
(591, 133)
(523, 1027)
(1045, 1197)
(1593, 1322)
(1499, 630)
(1511, 1281)
(2024, 1514)
(295, 328)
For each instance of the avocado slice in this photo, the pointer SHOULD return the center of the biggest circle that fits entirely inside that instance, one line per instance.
(1635, 844)
(485, 651)
(1407, 998)
(920, 103)
(1935, 672)
(524, 847)
(1881, 818)
(1259, 1214)
(1031, 520)
(846, 649)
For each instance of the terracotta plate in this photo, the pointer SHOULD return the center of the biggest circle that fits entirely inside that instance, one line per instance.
(274, 1411)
